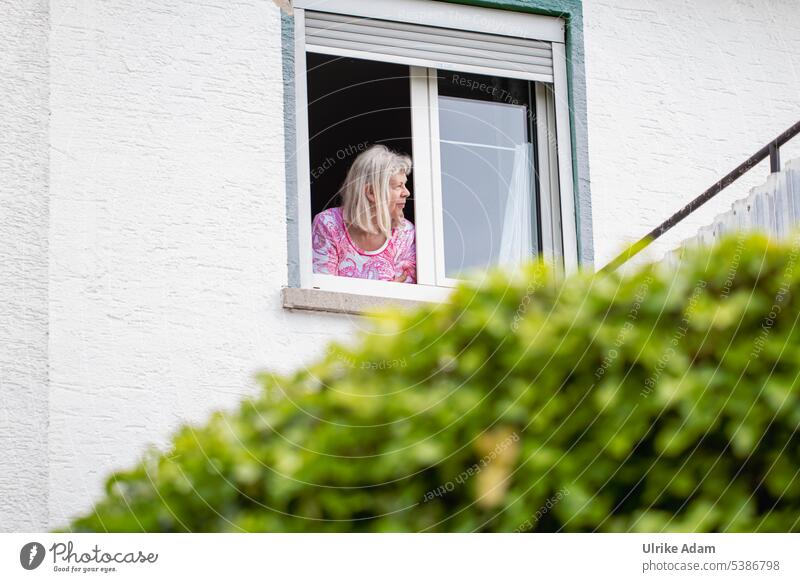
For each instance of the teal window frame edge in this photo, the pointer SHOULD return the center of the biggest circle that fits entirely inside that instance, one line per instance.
(572, 12)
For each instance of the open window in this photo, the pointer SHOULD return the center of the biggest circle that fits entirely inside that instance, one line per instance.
(477, 97)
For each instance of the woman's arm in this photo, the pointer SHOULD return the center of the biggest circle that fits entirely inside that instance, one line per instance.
(325, 253)
(406, 262)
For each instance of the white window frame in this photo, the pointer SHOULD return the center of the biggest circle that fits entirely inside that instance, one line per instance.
(557, 206)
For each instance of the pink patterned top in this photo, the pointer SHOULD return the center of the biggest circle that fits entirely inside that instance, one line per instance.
(336, 254)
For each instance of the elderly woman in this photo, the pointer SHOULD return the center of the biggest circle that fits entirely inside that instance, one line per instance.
(368, 237)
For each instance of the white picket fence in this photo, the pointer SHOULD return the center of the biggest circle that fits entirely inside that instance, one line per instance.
(773, 208)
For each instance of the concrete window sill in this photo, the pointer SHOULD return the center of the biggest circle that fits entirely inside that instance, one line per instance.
(339, 302)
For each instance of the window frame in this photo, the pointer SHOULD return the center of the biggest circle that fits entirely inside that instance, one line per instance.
(555, 164)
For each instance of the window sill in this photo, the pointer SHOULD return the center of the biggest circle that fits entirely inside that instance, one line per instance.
(321, 300)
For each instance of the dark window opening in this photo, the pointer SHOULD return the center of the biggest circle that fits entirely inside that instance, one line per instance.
(353, 104)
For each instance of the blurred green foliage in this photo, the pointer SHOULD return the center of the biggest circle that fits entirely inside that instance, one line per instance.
(660, 400)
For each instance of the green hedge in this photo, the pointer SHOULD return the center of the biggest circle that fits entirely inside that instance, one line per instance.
(662, 400)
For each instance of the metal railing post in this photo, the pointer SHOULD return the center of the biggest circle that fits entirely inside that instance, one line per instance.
(774, 158)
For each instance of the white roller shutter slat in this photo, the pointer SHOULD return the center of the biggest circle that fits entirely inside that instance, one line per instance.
(457, 36)
(414, 39)
(440, 48)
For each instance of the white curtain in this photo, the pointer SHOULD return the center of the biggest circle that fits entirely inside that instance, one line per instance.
(516, 242)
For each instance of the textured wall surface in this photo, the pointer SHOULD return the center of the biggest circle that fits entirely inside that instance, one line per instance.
(166, 247)
(680, 93)
(168, 234)
(23, 265)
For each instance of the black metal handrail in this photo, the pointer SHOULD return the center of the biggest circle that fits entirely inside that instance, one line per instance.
(772, 149)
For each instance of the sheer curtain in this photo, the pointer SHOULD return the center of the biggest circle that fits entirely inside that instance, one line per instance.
(516, 242)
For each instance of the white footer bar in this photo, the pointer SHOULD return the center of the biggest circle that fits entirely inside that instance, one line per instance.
(400, 557)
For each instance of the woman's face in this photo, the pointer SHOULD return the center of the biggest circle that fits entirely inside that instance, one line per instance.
(397, 195)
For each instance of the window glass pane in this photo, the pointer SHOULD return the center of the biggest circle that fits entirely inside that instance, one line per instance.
(483, 122)
(488, 195)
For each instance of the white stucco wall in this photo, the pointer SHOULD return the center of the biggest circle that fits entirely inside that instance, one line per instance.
(679, 94)
(23, 265)
(167, 226)
(168, 231)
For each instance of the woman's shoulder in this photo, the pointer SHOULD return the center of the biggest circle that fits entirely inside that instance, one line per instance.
(405, 229)
(406, 226)
(403, 236)
(330, 218)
